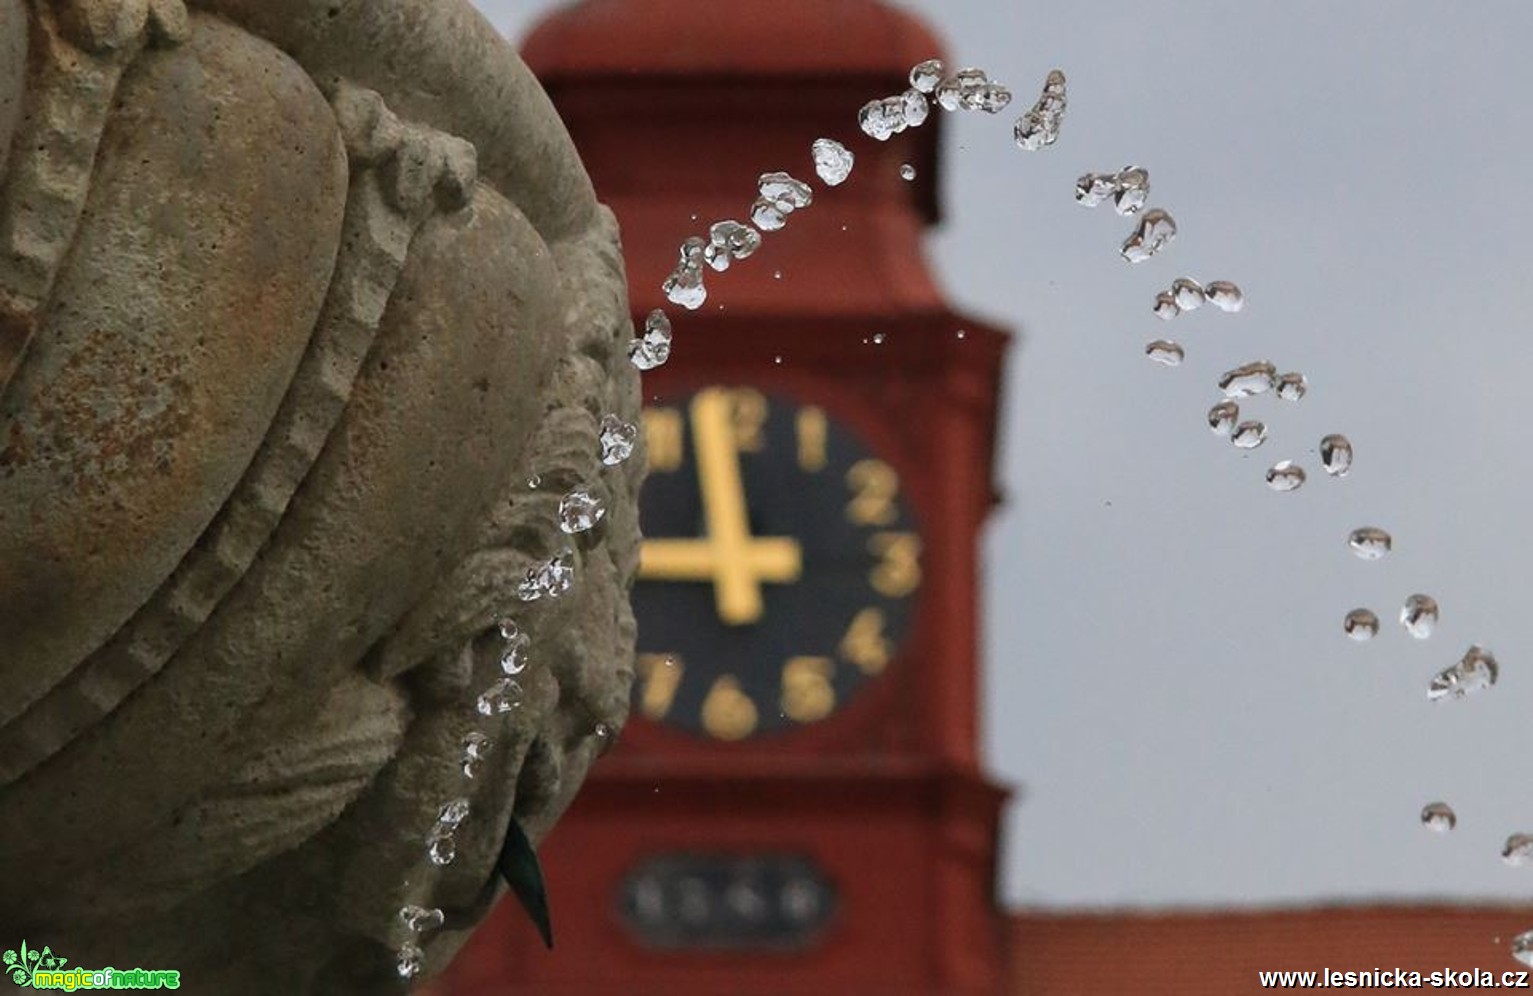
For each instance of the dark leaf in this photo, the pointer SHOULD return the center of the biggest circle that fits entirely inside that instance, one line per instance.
(519, 866)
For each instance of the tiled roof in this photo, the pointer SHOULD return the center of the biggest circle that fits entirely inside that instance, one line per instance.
(1218, 952)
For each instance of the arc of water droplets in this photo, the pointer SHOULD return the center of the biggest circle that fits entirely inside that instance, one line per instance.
(971, 89)
(1189, 295)
(1129, 189)
(441, 843)
(728, 241)
(579, 511)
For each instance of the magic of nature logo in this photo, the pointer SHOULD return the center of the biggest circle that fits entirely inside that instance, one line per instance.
(31, 968)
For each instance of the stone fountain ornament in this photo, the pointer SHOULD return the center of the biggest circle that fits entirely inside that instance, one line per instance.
(315, 536)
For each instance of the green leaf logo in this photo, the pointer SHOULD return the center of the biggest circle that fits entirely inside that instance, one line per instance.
(23, 965)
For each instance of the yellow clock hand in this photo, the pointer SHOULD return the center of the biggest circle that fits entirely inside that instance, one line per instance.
(736, 562)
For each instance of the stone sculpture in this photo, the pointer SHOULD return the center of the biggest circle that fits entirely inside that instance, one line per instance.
(308, 320)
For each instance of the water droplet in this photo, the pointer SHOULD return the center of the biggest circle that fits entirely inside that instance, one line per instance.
(1164, 351)
(1361, 625)
(1166, 307)
(878, 338)
(500, 698)
(1225, 296)
(784, 191)
(1032, 132)
(925, 76)
(992, 98)
(1156, 230)
(534, 481)
(578, 511)
(513, 653)
(1336, 455)
(1222, 417)
(1094, 188)
(1370, 542)
(1438, 817)
(685, 287)
(1292, 386)
(617, 439)
(508, 629)
(964, 89)
(653, 348)
(1518, 850)
(971, 81)
(1039, 126)
(776, 274)
(1129, 187)
(728, 240)
(1477, 670)
(1249, 435)
(551, 578)
(441, 848)
(832, 160)
(961, 333)
(914, 108)
(691, 251)
(606, 738)
(777, 360)
(1133, 190)
(907, 171)
(411, 959)
(476, 747)
(1248, 379)
(1419, 616)
(948, 94)
(1285, 475)
(453, 813)
(1187, 294)
(418, 919)
(882, 119)
(767, 216)
(1522, 948)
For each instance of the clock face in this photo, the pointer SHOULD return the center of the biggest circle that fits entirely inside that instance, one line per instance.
(779, 566)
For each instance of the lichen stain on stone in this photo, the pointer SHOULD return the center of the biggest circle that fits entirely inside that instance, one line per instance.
(100, 432)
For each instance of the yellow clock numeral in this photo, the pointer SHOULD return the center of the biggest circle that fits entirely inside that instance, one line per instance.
(728, 713)
(748, 414)
(865, 644)
(898, 571)
(662, 438)
(875, 485)
(811, 438)
(661, 676)
(807, 694)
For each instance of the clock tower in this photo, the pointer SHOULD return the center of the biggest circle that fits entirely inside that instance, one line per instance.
(797, 804)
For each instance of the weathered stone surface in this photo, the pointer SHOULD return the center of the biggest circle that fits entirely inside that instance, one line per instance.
(338, 290)
(179, 316)
(13, 68)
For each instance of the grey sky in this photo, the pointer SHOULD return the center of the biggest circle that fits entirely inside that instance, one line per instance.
(1169, 687)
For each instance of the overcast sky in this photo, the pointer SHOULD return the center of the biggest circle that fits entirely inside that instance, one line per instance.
(1169, 686)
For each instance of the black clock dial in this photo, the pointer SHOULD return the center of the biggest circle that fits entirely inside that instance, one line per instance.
(778, 569)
